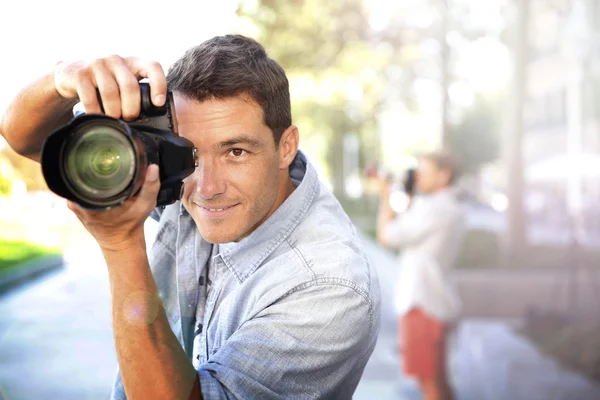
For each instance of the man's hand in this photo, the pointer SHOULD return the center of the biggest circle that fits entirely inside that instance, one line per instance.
(122, 227)
(384, 187)
(116, 78)
(385, 213)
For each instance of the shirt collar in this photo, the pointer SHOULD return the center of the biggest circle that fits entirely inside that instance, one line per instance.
(245, 256)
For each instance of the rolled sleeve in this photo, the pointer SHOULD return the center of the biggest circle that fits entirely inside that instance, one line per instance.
(415, 225)
(307, 345)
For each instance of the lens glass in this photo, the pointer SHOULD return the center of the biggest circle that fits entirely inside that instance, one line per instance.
(100, 162)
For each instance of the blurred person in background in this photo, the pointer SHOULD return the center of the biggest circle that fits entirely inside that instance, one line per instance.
(429, 235)
(257, 286)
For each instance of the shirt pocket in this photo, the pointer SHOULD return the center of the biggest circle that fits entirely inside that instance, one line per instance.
(165, 240)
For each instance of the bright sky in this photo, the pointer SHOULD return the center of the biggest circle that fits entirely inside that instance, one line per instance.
(35, 34)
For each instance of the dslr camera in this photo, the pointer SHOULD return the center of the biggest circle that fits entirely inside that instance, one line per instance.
(408, 180)
(99, 162)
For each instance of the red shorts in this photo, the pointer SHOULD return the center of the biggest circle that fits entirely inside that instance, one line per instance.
(422, 344)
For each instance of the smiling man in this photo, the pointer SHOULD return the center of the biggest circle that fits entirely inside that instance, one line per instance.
(226, 197)
(256, 286)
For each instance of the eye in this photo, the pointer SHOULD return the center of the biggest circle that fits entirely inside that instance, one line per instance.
(237, 152)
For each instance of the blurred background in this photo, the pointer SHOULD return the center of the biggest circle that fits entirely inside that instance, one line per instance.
(511, 87)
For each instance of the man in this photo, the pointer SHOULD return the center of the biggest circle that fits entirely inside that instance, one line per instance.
(256, 286)
(429, 234)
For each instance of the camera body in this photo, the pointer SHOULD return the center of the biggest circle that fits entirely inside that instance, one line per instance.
(408, 180)
(99, 162)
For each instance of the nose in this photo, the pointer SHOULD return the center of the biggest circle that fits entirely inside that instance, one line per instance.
(207, 179)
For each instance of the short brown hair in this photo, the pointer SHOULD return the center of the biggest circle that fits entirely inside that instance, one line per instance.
(444, 161)
(230, 65)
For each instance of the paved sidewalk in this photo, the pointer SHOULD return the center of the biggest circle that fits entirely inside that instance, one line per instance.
(382, 379)
(496, 363)
(55, 334)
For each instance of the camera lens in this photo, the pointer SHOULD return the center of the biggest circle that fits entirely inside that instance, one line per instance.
(99, 162)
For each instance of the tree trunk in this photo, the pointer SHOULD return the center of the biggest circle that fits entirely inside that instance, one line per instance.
(516, 236)
(445, 67)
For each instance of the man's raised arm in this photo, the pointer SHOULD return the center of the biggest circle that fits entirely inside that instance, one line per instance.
(47, 103)
(35, 111)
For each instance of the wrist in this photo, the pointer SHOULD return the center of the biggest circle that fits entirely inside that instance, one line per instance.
(126, 259)
(123, 244)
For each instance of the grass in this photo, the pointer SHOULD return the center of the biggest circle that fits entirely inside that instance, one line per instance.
(15, 252)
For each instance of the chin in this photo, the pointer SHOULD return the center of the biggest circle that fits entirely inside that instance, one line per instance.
(216, 237)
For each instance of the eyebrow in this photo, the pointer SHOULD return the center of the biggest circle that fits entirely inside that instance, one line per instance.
(240, 139)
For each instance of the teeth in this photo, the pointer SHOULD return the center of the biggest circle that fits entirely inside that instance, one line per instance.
(216, 209)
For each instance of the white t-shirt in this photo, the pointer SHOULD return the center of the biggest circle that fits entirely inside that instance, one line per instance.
(430, 235)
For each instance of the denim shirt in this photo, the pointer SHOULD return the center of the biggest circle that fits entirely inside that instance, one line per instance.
(296, 312)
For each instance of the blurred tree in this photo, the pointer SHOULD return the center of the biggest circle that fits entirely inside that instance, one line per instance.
(515, 238)
(344, 68)
(334, 65)
(24, 169)
(307, 34)
(475, 141)
(5, 183)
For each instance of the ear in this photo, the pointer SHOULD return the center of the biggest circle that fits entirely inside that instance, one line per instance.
(288, 146)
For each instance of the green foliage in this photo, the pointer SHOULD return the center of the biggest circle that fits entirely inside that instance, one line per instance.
(334, 67)
(307, 34)
(343, 71)
(15, 252)
(5, 185)
(21, 168)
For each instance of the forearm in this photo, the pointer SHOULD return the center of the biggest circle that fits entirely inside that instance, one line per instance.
(385, 215)
(152, 362)
(35, 112)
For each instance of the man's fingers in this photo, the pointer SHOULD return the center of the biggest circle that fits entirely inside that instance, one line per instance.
(75, 209)
(108, 88)
(116, 80)
(151, 186)
(155, 74)
(88, 96)
(129, 88)
(71, 206)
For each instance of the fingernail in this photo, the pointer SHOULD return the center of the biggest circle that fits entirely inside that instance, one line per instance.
(152, 173)
(159, 100)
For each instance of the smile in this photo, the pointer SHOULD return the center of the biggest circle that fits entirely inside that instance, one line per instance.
(215, 212)
(216, 209)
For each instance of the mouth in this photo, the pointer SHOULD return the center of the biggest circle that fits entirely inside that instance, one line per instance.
(216, 212)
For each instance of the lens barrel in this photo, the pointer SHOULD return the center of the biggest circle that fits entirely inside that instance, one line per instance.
(100, 162)
(95, 160)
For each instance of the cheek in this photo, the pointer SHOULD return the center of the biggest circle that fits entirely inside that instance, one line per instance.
(188, 188)
(260, 188)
